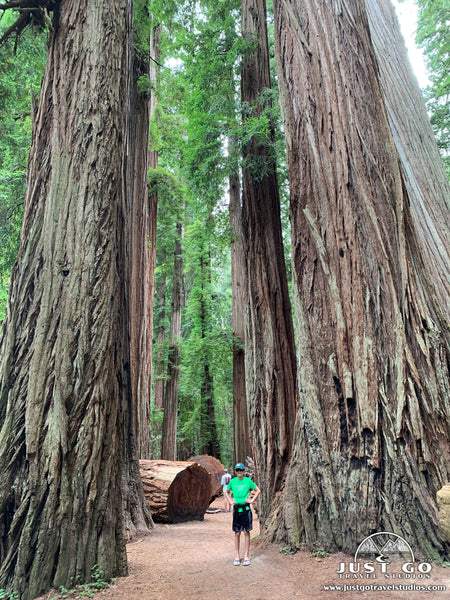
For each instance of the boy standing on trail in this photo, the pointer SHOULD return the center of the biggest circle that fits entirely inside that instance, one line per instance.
(241, 486)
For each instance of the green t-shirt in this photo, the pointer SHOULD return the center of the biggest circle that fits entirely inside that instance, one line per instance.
(241, 489)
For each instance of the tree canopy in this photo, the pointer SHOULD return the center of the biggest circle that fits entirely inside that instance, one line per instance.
(433, 36)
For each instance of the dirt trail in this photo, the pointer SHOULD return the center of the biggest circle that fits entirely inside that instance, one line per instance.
(194, 561)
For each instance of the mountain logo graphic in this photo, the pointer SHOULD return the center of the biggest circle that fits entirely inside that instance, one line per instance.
(383, 545)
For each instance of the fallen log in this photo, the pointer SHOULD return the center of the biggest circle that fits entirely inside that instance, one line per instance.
(215, 468)
(176, 491)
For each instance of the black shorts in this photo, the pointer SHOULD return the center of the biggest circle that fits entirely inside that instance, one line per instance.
(242, 517)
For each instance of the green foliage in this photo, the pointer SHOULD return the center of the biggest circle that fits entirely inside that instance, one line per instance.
(143, 23)
(21, 71)
(288, 550)
(206, 343)
(164, 181)
(145, 85)
(257, 132)
(197, 115)
(433, 36)
(4, 281)
(157, 416)
(196, 111)
(85, 590)
(319, 551)
(4, 595)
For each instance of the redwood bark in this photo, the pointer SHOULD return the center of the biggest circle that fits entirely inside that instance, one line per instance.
(422, 169)
(372, 439)
(140, 215)
(269, 346)
(64, 370)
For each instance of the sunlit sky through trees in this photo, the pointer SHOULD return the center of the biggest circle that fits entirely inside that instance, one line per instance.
(407, 15)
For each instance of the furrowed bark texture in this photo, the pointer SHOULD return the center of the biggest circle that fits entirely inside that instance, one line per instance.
(372, 441)
(64, 370)
(421, 165)
(269, 351)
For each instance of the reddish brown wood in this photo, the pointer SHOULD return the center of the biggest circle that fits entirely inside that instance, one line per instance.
(176, 491)
(371, 443)
(215, 469)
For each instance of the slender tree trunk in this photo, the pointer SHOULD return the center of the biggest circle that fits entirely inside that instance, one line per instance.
(170, 421)
(160, 365)
(372, 440)
(143, 245)
(136, 512)
(208, 426)
(64, 372)
(269, 351)
(241, 431)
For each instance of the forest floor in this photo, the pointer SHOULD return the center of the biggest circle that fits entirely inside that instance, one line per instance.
(194, 561)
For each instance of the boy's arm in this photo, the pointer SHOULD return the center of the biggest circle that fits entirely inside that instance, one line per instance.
(255, 493)
(229, 498)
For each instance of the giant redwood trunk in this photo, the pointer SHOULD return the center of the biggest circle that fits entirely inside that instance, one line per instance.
(269, 350)
(64, 370)
(372, 438)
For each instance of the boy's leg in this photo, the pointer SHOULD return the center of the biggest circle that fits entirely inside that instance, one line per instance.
(237, 541)
(246, 544)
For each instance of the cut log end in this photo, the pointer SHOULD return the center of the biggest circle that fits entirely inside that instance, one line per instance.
(216, 470)
(176, 491)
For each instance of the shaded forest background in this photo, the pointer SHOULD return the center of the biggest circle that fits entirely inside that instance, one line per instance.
(197, 60)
